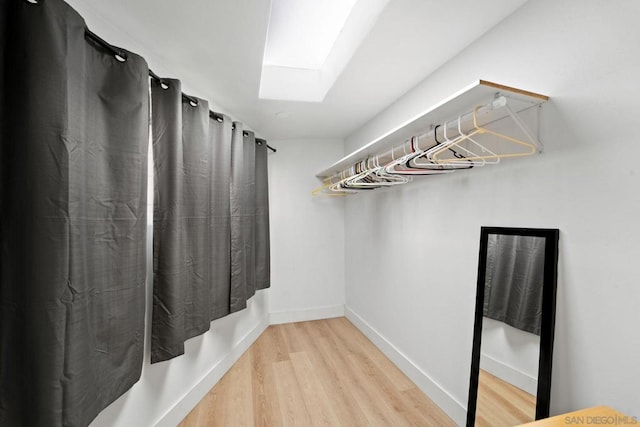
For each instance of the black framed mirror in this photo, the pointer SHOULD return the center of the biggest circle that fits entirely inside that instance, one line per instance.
(510, 381)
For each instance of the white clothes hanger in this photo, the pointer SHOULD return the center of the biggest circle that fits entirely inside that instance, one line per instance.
(453, 166)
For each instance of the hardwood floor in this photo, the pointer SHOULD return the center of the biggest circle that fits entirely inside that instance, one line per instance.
(320, 373)
(500, 404)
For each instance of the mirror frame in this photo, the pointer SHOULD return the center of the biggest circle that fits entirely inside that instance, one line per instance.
(548, 316)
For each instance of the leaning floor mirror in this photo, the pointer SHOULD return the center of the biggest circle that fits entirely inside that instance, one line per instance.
(510, 381)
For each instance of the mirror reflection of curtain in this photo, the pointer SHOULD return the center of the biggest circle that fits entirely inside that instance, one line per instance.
(513, 282)
(73, 180)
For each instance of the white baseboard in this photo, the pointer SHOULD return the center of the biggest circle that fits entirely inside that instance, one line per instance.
(509, 374)
(305, 315)
(181, 409)
(454, 409)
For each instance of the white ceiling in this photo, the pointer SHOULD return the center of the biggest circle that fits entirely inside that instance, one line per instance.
(216, 48)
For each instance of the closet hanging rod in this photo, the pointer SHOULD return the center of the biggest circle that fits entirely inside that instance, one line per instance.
(437, 111)
(121, 56)
(411, 145)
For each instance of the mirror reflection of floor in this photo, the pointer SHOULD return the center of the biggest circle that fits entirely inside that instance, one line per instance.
(502, 404)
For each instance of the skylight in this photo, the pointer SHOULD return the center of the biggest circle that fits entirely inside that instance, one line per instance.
(309, 43)
(301, 33)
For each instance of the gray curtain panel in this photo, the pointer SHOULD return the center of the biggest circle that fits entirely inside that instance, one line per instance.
(238, 291)
(72, 218)
(243, 216)
(249, 219)
(262, 248)
(182, 294)
(169, 243)
(220, 224)
(513, 281)
(196, 207)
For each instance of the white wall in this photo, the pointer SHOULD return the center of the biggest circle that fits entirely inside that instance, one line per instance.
(307, 234)
(413, 251)
(510, 354)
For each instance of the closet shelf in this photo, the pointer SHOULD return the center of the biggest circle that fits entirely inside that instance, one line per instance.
(478, 93)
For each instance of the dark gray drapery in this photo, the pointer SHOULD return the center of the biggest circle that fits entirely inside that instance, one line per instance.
(262, 249)
(243, 214)
(220, 232)
(196, 207)
(249, 218)
(169, 243)
(238, 293)
(73, 157)
(181, 296)
(192, 232)
(513, 281)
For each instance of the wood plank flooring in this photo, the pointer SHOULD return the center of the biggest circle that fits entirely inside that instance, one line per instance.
(320, 373)
(501, 404)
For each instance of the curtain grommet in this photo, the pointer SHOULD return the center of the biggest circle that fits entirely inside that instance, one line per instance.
(193, 103)
(33, 1)
(163, 85)
(120, 57)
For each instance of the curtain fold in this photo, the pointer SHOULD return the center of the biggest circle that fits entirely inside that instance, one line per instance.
(250, 239)
(183, 295)
(73, 159)
(262, 236)
(220, 224)
(238, 291)
(243, 217)
(513, 281)
(249, 216)
(169, 243)
(196, 207)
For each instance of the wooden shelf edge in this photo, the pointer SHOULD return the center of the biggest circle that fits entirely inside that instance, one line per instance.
(514, 90)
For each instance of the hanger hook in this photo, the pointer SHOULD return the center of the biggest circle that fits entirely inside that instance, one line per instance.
(435, 134)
